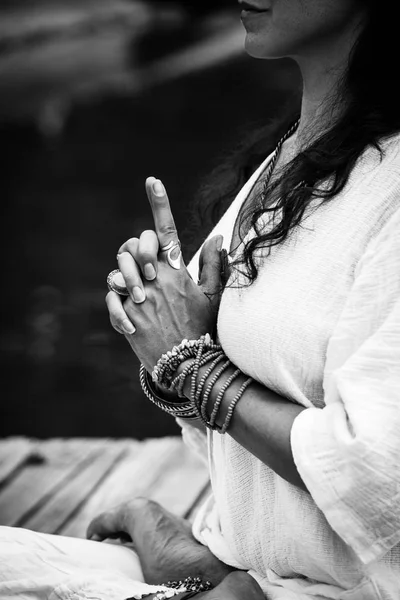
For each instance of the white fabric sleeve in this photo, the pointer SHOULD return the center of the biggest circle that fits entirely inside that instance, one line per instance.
(348, 453)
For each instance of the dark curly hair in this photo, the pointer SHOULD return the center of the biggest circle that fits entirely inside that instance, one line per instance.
(371, 114)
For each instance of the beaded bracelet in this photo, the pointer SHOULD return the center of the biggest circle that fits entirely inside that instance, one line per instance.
(178, 383)
(220, 396)
(168, 363)
(208, 390)
(232, 405)
(191, 584)
(186, 409)
(203, 380)
(200, 352)
(200, 401)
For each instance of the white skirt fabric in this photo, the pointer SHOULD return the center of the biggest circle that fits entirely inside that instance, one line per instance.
(37, 566)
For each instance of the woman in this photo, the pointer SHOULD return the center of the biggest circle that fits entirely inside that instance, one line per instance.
(301, 396)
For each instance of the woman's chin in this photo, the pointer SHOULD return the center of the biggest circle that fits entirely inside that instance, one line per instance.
(253, 47)
(257, 48)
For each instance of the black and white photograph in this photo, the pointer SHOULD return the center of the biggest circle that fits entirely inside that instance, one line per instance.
(200, 315)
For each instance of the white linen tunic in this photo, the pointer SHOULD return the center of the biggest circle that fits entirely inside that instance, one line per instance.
(321, 326)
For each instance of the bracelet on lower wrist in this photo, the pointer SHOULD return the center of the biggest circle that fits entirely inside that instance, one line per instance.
(191, 372)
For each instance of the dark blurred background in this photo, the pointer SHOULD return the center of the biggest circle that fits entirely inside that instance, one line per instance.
(96, 95)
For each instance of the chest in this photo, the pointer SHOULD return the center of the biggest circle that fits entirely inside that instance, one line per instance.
(258, 194)
(277, 330)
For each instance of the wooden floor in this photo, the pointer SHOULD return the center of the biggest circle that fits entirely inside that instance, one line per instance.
(58, 486)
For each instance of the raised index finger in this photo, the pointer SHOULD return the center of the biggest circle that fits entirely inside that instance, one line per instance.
(164, 223)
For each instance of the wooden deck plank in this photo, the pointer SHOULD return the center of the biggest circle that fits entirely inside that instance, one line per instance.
(14, 452)
(67, 499)
(181, 484)
(144, 471)
(79, 478)
(35, 482)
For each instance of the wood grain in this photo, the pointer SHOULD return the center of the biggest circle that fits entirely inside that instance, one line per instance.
(68, 482)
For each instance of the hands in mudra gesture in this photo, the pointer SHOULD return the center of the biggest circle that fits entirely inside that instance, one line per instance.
(168, 551)
(164, 304)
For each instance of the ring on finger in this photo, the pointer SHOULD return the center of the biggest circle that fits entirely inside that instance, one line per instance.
(116, 283)
(175, 263)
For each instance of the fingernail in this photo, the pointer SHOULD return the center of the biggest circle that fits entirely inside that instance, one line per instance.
(149, 271)
(138, 294)
(158, 188)
(95, 538)
(220, 241)
(128, 327)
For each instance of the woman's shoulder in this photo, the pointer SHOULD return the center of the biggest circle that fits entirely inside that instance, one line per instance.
(374, 184)
(382, 157)
(381, 258)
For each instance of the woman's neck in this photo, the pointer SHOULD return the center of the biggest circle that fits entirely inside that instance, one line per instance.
(323, 70)
(322, 104)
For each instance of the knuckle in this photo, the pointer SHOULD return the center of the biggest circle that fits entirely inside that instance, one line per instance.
(147, 256)
(132, 278)
(138, 504)
(131, 244)
(95, 524)
(148, 233)
(118, 320)
(124, 246)
(115, 324)
(168, 229)
(110, 301)
(128, 305)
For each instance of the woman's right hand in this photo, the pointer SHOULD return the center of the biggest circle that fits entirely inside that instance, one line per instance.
(144, 252)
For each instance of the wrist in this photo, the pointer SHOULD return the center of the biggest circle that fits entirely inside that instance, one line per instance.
(163, 392)
(218, 386)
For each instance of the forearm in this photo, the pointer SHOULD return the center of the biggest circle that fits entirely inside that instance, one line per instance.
(261, 422)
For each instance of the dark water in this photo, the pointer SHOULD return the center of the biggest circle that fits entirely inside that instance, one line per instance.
(68, 202)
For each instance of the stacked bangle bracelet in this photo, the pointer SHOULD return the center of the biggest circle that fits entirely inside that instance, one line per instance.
(167, 365)
(197, 353)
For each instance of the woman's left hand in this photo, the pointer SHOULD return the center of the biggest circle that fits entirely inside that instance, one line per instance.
(164, 542)
(175, 307)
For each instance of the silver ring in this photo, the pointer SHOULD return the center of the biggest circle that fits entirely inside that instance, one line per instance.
(114, 286)
(175, 263)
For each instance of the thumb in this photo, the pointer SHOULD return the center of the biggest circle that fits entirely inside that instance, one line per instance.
(107, 525)
(210, 266)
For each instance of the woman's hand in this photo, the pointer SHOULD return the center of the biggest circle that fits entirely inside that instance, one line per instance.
(175, 307)
(238, 585)
(164, 542)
